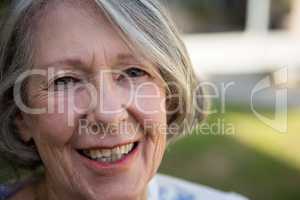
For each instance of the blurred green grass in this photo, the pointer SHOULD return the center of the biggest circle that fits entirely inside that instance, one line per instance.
(256, 161)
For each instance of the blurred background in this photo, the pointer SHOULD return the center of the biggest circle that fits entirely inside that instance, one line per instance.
(246, 53)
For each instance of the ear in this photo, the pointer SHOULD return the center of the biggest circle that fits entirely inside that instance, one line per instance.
(22, 124)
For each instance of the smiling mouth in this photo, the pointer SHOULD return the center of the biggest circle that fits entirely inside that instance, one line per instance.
(109, 155)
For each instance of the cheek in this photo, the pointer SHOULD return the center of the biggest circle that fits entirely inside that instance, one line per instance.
(149, 103)
(150, 100)
(52, 129)
(59, 123)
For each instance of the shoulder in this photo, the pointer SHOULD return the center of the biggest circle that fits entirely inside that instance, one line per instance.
(4, 191)
(164, 187)
(7, 191)
(17, 191)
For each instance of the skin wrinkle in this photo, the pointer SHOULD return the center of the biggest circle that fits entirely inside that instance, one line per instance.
(66, 178)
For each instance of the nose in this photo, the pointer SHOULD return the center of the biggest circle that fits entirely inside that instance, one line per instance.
(110, 107)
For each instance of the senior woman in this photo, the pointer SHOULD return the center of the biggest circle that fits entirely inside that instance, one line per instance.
(89, 91)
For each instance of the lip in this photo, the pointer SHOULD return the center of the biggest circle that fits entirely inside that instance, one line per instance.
(124, 163)
(108, 146)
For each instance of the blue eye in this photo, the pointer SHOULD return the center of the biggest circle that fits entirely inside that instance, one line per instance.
(135, 72)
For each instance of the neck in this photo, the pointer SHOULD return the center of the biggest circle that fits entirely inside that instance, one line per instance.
(48, 190)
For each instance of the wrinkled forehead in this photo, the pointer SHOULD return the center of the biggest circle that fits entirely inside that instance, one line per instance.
(51, 12)
(89, 6)
(77, 31)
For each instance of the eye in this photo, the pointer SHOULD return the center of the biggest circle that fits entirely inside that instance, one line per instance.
(134, 72)
(65, 82)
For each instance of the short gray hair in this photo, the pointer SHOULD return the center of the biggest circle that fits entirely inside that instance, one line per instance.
(144, 24)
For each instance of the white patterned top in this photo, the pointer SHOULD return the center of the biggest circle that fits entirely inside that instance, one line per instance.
(163, 187)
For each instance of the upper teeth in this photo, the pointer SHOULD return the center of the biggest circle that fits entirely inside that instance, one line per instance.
(109, 154)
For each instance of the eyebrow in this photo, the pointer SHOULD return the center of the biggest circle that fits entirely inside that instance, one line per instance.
(122, 58)
(75, 61)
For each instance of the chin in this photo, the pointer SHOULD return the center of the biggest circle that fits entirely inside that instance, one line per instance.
(126, 178)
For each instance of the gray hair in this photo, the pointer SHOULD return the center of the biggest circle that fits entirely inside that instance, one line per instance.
(144, 24)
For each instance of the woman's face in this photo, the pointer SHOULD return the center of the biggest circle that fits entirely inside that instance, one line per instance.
(103, 136)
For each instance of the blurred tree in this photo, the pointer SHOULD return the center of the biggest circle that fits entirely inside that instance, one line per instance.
(220, 15)
(3, 4)
(209, 15)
